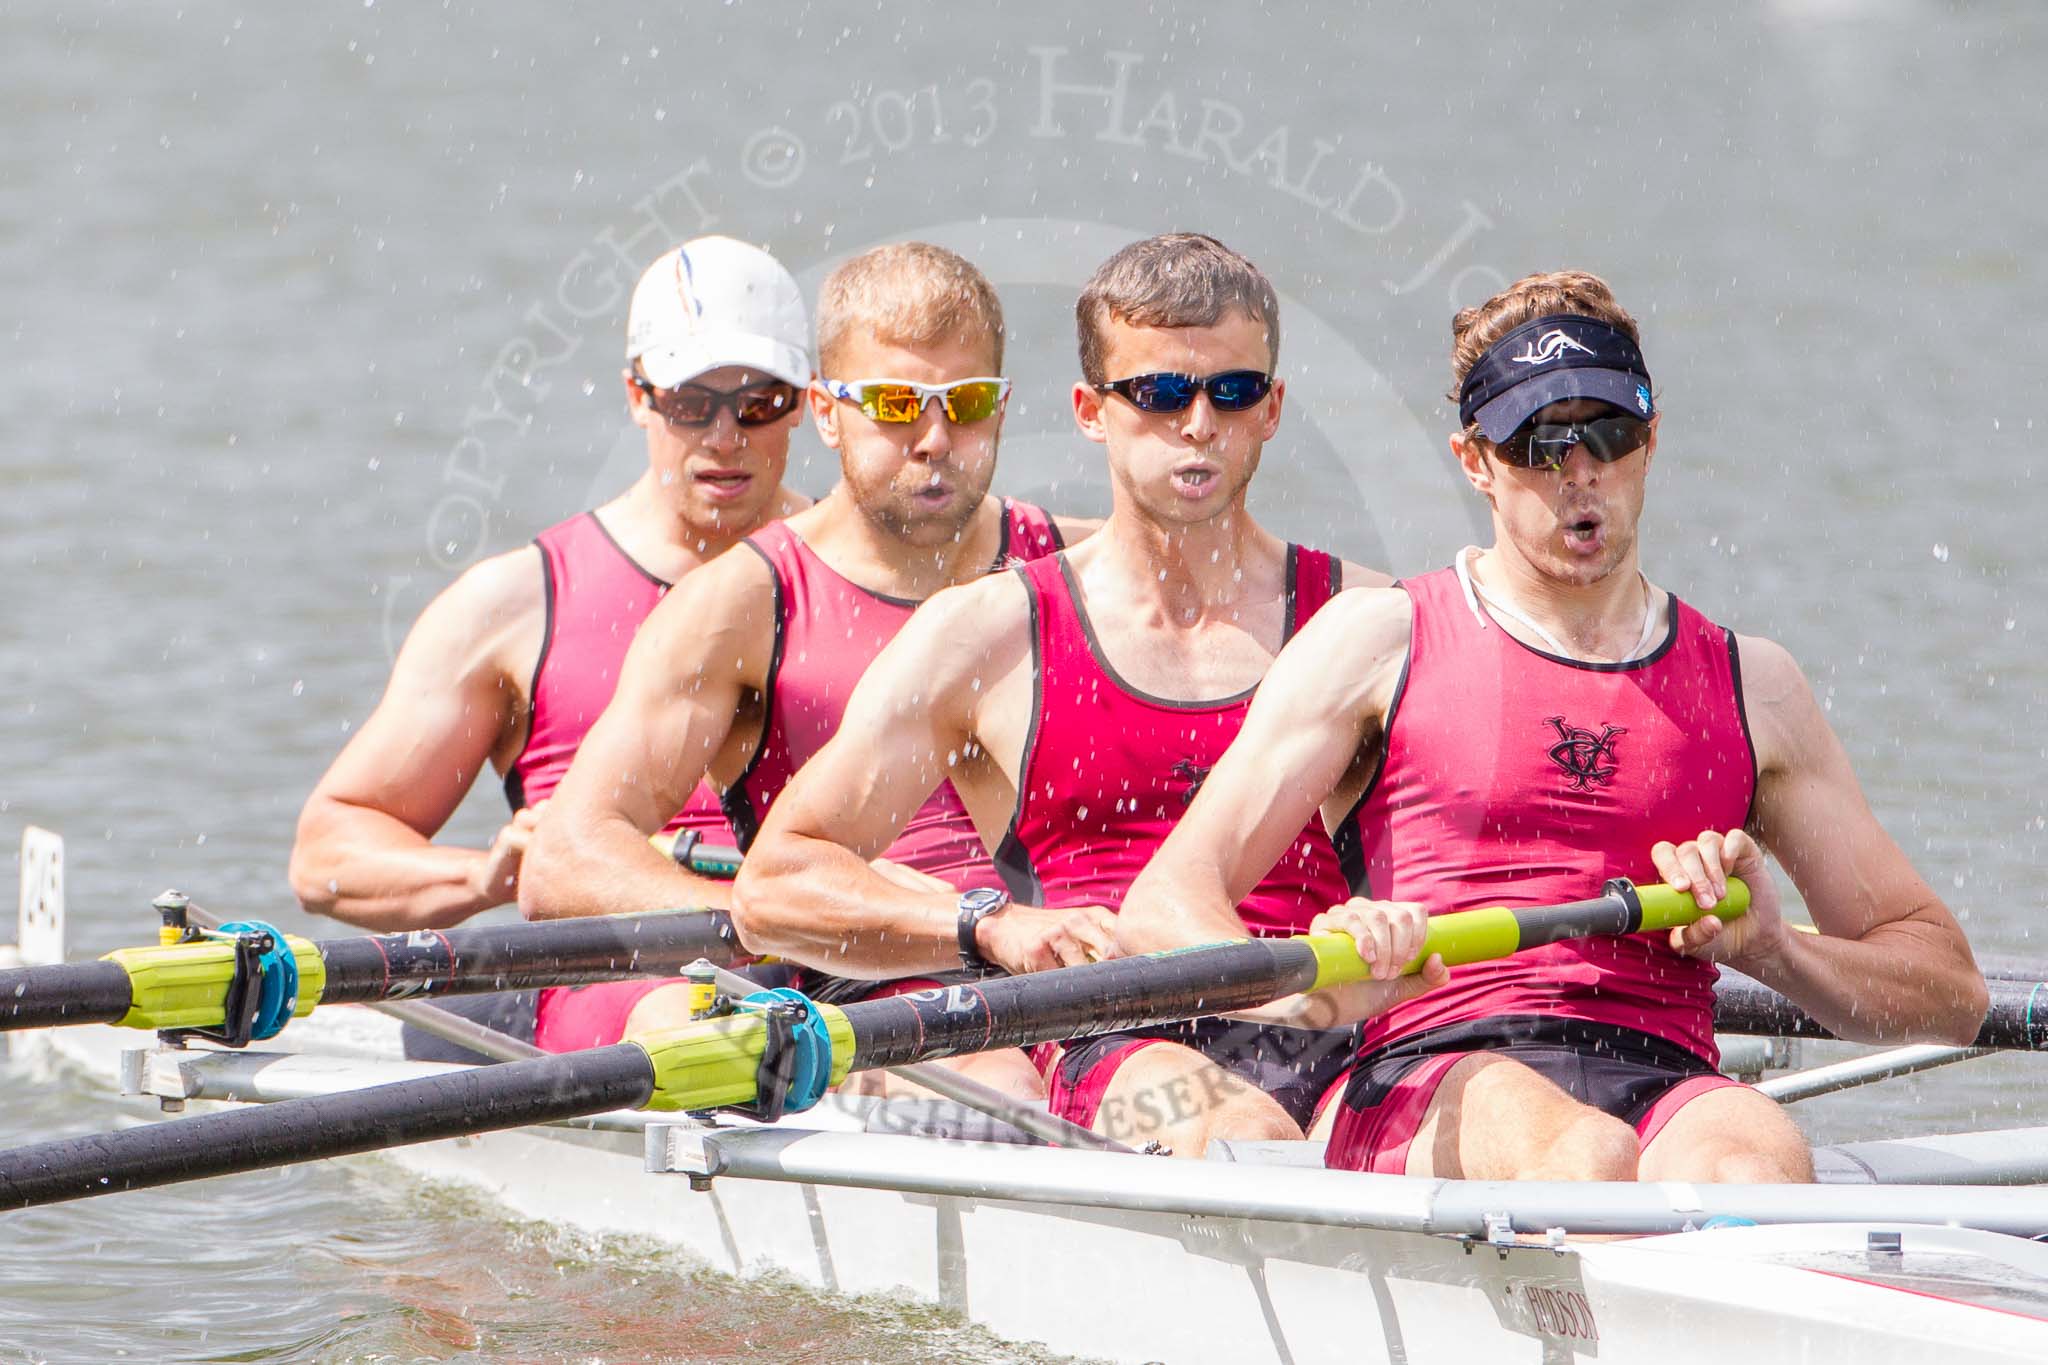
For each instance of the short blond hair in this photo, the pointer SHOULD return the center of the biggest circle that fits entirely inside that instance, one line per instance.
(907, 294)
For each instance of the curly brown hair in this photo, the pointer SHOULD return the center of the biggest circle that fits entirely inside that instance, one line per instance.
(1475, 330)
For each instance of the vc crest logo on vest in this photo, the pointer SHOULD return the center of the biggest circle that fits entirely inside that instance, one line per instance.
(1581, 753)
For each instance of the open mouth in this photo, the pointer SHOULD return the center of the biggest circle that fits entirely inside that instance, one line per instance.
(1583, 532)
(1194, 480)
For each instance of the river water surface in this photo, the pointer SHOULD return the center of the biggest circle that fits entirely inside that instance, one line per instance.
(309, 307)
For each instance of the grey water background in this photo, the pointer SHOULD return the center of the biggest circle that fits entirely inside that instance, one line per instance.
(310, 306)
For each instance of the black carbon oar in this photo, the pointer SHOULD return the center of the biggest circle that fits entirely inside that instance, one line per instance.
(186, 985)
(2018, 1018)
(719, 1062)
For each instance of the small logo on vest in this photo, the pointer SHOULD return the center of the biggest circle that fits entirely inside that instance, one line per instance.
(1581, 753)
(1188, 771)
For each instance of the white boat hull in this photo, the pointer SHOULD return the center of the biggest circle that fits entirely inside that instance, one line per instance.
(1151, 1282)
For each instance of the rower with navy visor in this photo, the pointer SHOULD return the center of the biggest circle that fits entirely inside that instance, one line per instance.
(1532, 721)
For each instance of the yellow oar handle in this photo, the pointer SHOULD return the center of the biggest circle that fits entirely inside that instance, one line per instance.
(1482, 935)
(185, 985)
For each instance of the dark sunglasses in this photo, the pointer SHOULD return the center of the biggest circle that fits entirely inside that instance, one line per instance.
(1547, 445)
(1230, 391)
(693, 405)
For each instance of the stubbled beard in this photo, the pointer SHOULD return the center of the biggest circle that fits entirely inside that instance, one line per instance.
(897, 514)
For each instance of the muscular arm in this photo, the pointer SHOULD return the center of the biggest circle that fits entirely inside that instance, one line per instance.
(698, 658)
(1323, 698)
(1890, 963)
(364, 850)
(1319, 711)
(807, 891)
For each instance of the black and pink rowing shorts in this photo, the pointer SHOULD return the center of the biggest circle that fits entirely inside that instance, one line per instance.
(1642, 1080)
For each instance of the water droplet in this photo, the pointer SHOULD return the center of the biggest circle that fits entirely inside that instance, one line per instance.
(1941, 552)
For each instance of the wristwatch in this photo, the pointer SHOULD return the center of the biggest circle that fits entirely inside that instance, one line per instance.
(976, 906)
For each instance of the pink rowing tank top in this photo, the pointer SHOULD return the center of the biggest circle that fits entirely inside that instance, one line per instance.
(1514, 777)
(1108, 769)
(597, 596)
(828, 629)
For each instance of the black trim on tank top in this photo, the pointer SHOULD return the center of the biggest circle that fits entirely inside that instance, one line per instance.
(1002, 539)
(638, 567)
(1336, 574)
(1742, 714)
(1624, 666)
(515, 786)
(1052, 528)
(739, 810)
(1117, 679)
(803, 547)
(1292, 593)
(1350, 844)
(1012, 860)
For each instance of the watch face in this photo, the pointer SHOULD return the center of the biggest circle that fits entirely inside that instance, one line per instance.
(983, 900)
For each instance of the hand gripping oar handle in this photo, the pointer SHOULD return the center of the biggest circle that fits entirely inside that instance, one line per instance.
(1477, 935)
(716, 1062)
(185, 985)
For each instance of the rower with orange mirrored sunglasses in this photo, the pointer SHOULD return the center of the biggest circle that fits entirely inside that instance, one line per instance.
(904, 400)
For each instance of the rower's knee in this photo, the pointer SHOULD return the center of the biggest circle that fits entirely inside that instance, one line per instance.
(1249, 1114)
(1777, 1164)
(1592, 1146)
(1183, 1100)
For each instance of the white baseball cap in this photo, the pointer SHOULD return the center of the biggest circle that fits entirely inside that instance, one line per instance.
(711, 302)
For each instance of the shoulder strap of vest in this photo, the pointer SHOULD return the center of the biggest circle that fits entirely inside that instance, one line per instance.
(1316, 577)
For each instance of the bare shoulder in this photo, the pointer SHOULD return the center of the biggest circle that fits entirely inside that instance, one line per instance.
(1358, 576)
(494, 614)
(1374, 620)
(723, 610)
(1074, 530)
(968, 629)
(1348, 657)
(737, 580)
(1785, 719)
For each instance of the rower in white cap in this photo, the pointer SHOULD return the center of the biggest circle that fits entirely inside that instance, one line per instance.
(516, 658)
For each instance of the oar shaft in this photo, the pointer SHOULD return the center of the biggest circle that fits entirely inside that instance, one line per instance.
(480, 1099)
(512, 957)
(2017, 1019)
(1079, 1002)
(185, 985)
(62, 993)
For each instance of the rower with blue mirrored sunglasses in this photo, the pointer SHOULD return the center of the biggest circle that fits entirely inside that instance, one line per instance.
(1230, 391)
(904, 400)
(1547, 445)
